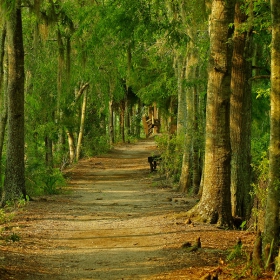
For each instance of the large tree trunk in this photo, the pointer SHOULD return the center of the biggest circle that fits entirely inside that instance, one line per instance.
(14, 186)
(195, 140)
(215, 206)
(240, 117)
(272, 207)
(192, 60)
(3, 94)
(2, 53)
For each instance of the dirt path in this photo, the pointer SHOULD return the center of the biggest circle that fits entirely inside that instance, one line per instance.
(115, 223)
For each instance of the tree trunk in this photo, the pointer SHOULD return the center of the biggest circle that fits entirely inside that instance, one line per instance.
(82, 125)
(202, 124)
(71, 144)
(138, 119)
(14, 185)
(195, 140)
(215, 206)
(171, 121)
(240, 117)
(127, 117)
(122, 120)
(48, 152)
(127, 88)
(3, 94)
(272, 207)
(182, 106)
(111, 123)
(60, 69)
(187, 164)
(2, 54)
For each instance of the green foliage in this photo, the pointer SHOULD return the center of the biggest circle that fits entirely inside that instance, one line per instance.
(240, 261)
(42, 180)
(261, 182)
(14, 237)
(235, 253)
(261, 10)
(243, 224)
(19, 203)
(260, 121)
(23, 201)
(5, 216)
(259, 190)
(259, 145)
(155, 32)
(52, 181)
(170, 148)
(96, 145)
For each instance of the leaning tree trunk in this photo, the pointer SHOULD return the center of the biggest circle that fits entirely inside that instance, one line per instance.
(14, 185)
(82, 125)
(272, 207)
(215, 206)
(240, 117)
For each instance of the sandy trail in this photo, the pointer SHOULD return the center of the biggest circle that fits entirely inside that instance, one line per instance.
(115, 223)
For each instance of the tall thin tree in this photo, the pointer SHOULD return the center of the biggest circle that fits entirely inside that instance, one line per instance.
(272, 207)
(3, 95)
(240, 114)
(14, 186)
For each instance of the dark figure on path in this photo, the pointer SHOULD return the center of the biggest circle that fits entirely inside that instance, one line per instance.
(153, 162)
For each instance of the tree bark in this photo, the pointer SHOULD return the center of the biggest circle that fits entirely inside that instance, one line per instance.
(272, 207)
(111, 123)
(240, 117)
(60, 70)
(48, 152)
(122, 120)
(192, 60)
(2, 53)
(215, 206)
(180, 70)
(71, 145)
(3, 94)
(195, 140)
(138, 119)
(14, 185)
(82, 125)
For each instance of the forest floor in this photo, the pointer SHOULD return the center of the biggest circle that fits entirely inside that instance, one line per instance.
(115, 220)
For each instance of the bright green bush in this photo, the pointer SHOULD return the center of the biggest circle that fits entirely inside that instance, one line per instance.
(171, 150)
(41, 180)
